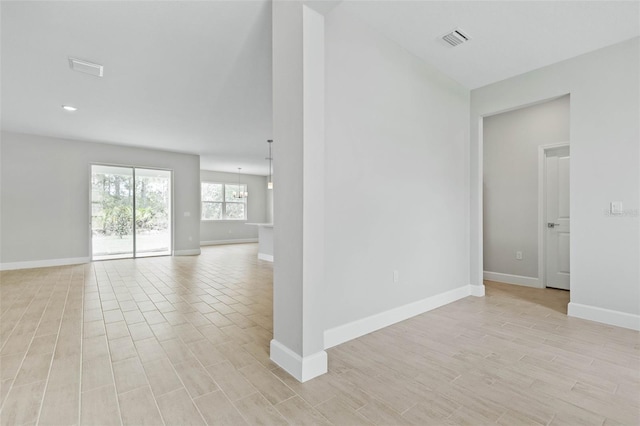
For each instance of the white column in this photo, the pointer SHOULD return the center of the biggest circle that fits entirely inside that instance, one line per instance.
(298, 130)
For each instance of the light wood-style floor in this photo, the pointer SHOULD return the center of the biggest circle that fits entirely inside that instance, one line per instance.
(185, 340)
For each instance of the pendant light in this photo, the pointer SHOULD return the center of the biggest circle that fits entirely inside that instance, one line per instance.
(270, 158)
(239, 193)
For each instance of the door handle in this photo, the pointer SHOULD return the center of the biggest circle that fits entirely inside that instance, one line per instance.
(552, 225)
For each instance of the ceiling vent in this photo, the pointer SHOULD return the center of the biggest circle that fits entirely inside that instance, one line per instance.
(455, 37)
(90, 68)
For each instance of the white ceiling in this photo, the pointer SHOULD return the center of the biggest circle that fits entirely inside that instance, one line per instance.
(508, 38)
(182, 76)
(195, 76)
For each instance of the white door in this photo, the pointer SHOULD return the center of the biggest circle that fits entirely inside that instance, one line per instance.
(557, 218)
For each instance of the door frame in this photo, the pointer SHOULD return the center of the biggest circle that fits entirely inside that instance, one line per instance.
(542, 241)
(134, 167)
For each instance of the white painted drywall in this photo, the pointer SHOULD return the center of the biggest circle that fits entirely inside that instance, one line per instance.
(288, 177)
(298, 126)
(228, 230)
(46, 189)
(313, 220)
(396, 175)
(511, 142)
(605, 162)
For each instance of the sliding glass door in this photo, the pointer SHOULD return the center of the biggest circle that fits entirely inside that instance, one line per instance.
(111, 212)
(130, 212)
(153, 212)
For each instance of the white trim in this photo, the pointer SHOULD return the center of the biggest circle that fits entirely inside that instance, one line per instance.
(476, 205)
(542, 151)
(512, 279)
(476, 290)
(343, 333)
(606, 316)
(267, 257)
(302, 368)
(43, 263)
(236, 241)
(192, 252)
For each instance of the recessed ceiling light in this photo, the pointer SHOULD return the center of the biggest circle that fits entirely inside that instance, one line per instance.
(69, 108)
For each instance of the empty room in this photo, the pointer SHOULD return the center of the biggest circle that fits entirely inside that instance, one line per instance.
(320, 212)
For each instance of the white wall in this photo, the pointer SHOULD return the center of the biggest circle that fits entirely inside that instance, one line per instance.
(298, 130)
(604, 131)
(396, 176)
(212, 232)
(511, 142)
(46, 189)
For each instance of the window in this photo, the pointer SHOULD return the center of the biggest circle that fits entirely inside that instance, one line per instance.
(219, 201)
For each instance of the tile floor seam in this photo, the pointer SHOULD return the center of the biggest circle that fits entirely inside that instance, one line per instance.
(240, 412)
(20, 319)
(307, 402)
(204, 420)
(404, 411)
(113, 376)
(46, 386)
(81, 350)
(16, 322)
(247, 419)
(186, 390)
(24, 357)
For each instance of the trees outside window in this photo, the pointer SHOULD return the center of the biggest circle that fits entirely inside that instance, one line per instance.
(113, 200)
(220, 201)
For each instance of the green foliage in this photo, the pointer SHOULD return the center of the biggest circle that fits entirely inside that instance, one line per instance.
(144, 218)
(113, 197)
(119, 220)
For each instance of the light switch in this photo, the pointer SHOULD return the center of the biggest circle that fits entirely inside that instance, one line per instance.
(187, 214)
(616, 207)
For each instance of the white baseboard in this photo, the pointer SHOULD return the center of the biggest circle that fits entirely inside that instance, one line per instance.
(343, 333)
(477, 290)
(236, 241)
(606, 316)
(191, 252)
(9, 266)
(267, 257)
(512, 279)
(302, 369)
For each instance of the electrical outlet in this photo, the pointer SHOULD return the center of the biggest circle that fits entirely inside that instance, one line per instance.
(396, 277)
(518, 255)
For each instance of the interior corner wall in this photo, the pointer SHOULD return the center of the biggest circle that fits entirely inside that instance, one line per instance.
(45, 193)
(510, 181)
(226, 231)
(604, 86)
(396, 165)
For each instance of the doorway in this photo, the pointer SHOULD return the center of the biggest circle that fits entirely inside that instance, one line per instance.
(130, 212)
(554, 230)
(516, 144)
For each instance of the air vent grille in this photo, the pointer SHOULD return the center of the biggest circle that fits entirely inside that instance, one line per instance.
(90, 68)
(456, 37)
